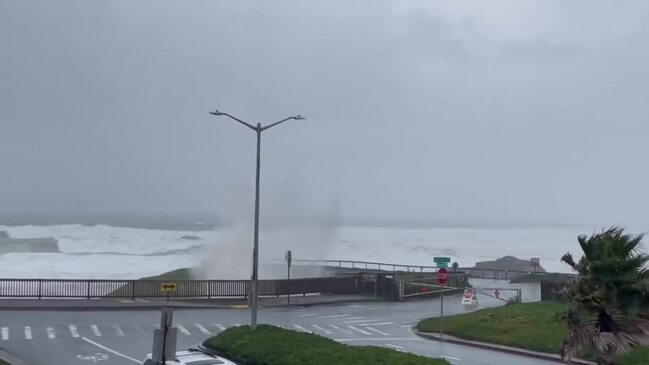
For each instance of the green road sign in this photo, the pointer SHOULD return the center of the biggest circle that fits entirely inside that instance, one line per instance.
(441, 259)
(442, 264)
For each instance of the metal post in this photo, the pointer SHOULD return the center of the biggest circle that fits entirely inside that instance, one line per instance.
(288, 299)
(255, 254)
(255, 250)
(441, 318)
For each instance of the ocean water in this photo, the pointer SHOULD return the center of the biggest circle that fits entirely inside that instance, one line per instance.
(107, 252)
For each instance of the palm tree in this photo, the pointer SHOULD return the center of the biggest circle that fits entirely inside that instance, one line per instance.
(608, 311)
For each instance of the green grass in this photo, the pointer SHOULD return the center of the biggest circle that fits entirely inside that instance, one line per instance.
(532, 326)
(269, 345)
(4, 363)
(180, 274)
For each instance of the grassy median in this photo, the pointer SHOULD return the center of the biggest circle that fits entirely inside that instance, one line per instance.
(269, 345)
(532, 326)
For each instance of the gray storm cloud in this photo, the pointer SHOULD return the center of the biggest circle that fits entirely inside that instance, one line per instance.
(528, 111)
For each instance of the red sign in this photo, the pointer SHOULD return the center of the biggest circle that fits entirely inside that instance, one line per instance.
(497, 294)
(468, 293)
(442, 276)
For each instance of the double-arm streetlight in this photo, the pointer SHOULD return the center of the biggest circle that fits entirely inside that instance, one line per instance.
(255, 252)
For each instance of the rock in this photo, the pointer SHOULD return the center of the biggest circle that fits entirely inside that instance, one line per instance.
(508, 263)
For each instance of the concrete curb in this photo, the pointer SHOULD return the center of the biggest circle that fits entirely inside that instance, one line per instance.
(157, 306)
(500, 348)
(7, 357)
(106, 308)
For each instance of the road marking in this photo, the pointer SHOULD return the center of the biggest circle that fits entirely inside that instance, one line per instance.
(50, 332)
(219, 326)
(183, 329)
(377, 331)
(5, 333)
(118, 330)
(335, 316)
(394, 346)
(301, 328)
(95, 330)
(140, 329)
(94, 358)
(322, 329)
(451, 358)
(202, 329)
(112, 351)
(377, 324)
(340, 329)
(28, 333)
(355, 318)
(142, 300)
(310, 314)
(359, 330)
(126, 301)
(73, 330)
(361, 321)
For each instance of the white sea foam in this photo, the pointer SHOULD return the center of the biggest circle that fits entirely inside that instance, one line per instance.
(123, 253)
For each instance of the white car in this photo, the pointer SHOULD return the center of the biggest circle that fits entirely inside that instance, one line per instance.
(192, 357)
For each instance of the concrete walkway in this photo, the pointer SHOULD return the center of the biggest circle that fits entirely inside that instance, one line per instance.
(500, 348)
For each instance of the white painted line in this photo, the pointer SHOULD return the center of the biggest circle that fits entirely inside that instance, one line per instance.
(355, 318)
(377, 324)
(126, 301)
(112, 351)
(377, 331)
(378, 339)
(362, 321)
(95, 330)
(142, 300)
(359, 330)
(300, 328)
(202, 329)
(310, 314)
(28, 333)
(450, 358)
(118, 330)
(5, 333)
(340, 329)
(182, 329)
(73, 330)
(394, 346)
(335, 316)
(322, 329)
(50, 332)
(219, 326)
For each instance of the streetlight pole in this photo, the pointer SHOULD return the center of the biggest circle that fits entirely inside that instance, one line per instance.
(255, 251)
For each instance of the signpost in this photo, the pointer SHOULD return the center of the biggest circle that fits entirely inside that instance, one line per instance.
(168, 287)
(442, 261)
(289, 259)
(369, 278)
(442, 278)
(164, 339)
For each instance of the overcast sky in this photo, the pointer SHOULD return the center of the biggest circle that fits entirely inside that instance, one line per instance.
(444, 110)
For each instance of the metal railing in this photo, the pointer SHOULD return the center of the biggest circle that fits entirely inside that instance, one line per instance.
(88, 289)
(497, 274)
